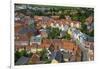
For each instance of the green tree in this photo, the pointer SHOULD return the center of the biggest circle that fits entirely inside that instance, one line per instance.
(17, 55)
(62, 16)
(43, 55)
(83, 28)
(20, 54)
(53, 33)
(67, 36)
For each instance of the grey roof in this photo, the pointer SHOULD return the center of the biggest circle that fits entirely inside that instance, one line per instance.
(21, 61)
(66, 54)
(91, 39)
(59, 56)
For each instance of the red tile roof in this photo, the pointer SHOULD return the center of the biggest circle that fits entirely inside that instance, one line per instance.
(21, 37)
(58, 42)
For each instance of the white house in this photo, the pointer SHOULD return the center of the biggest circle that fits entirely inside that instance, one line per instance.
(52, 25)
(35, 39)
(57, 25)
(61, 27)
(44, 26)
(72, 24)
(75, 24)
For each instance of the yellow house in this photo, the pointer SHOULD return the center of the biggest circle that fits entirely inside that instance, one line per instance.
(34, 50)
(54, 61)
(21, 49)
(69, 31)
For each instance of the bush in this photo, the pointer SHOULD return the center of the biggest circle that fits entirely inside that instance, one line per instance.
(53, 33)
(43, 55)
(67, 36)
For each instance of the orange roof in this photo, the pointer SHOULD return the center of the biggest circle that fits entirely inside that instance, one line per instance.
(58, 42)
(66, 44)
